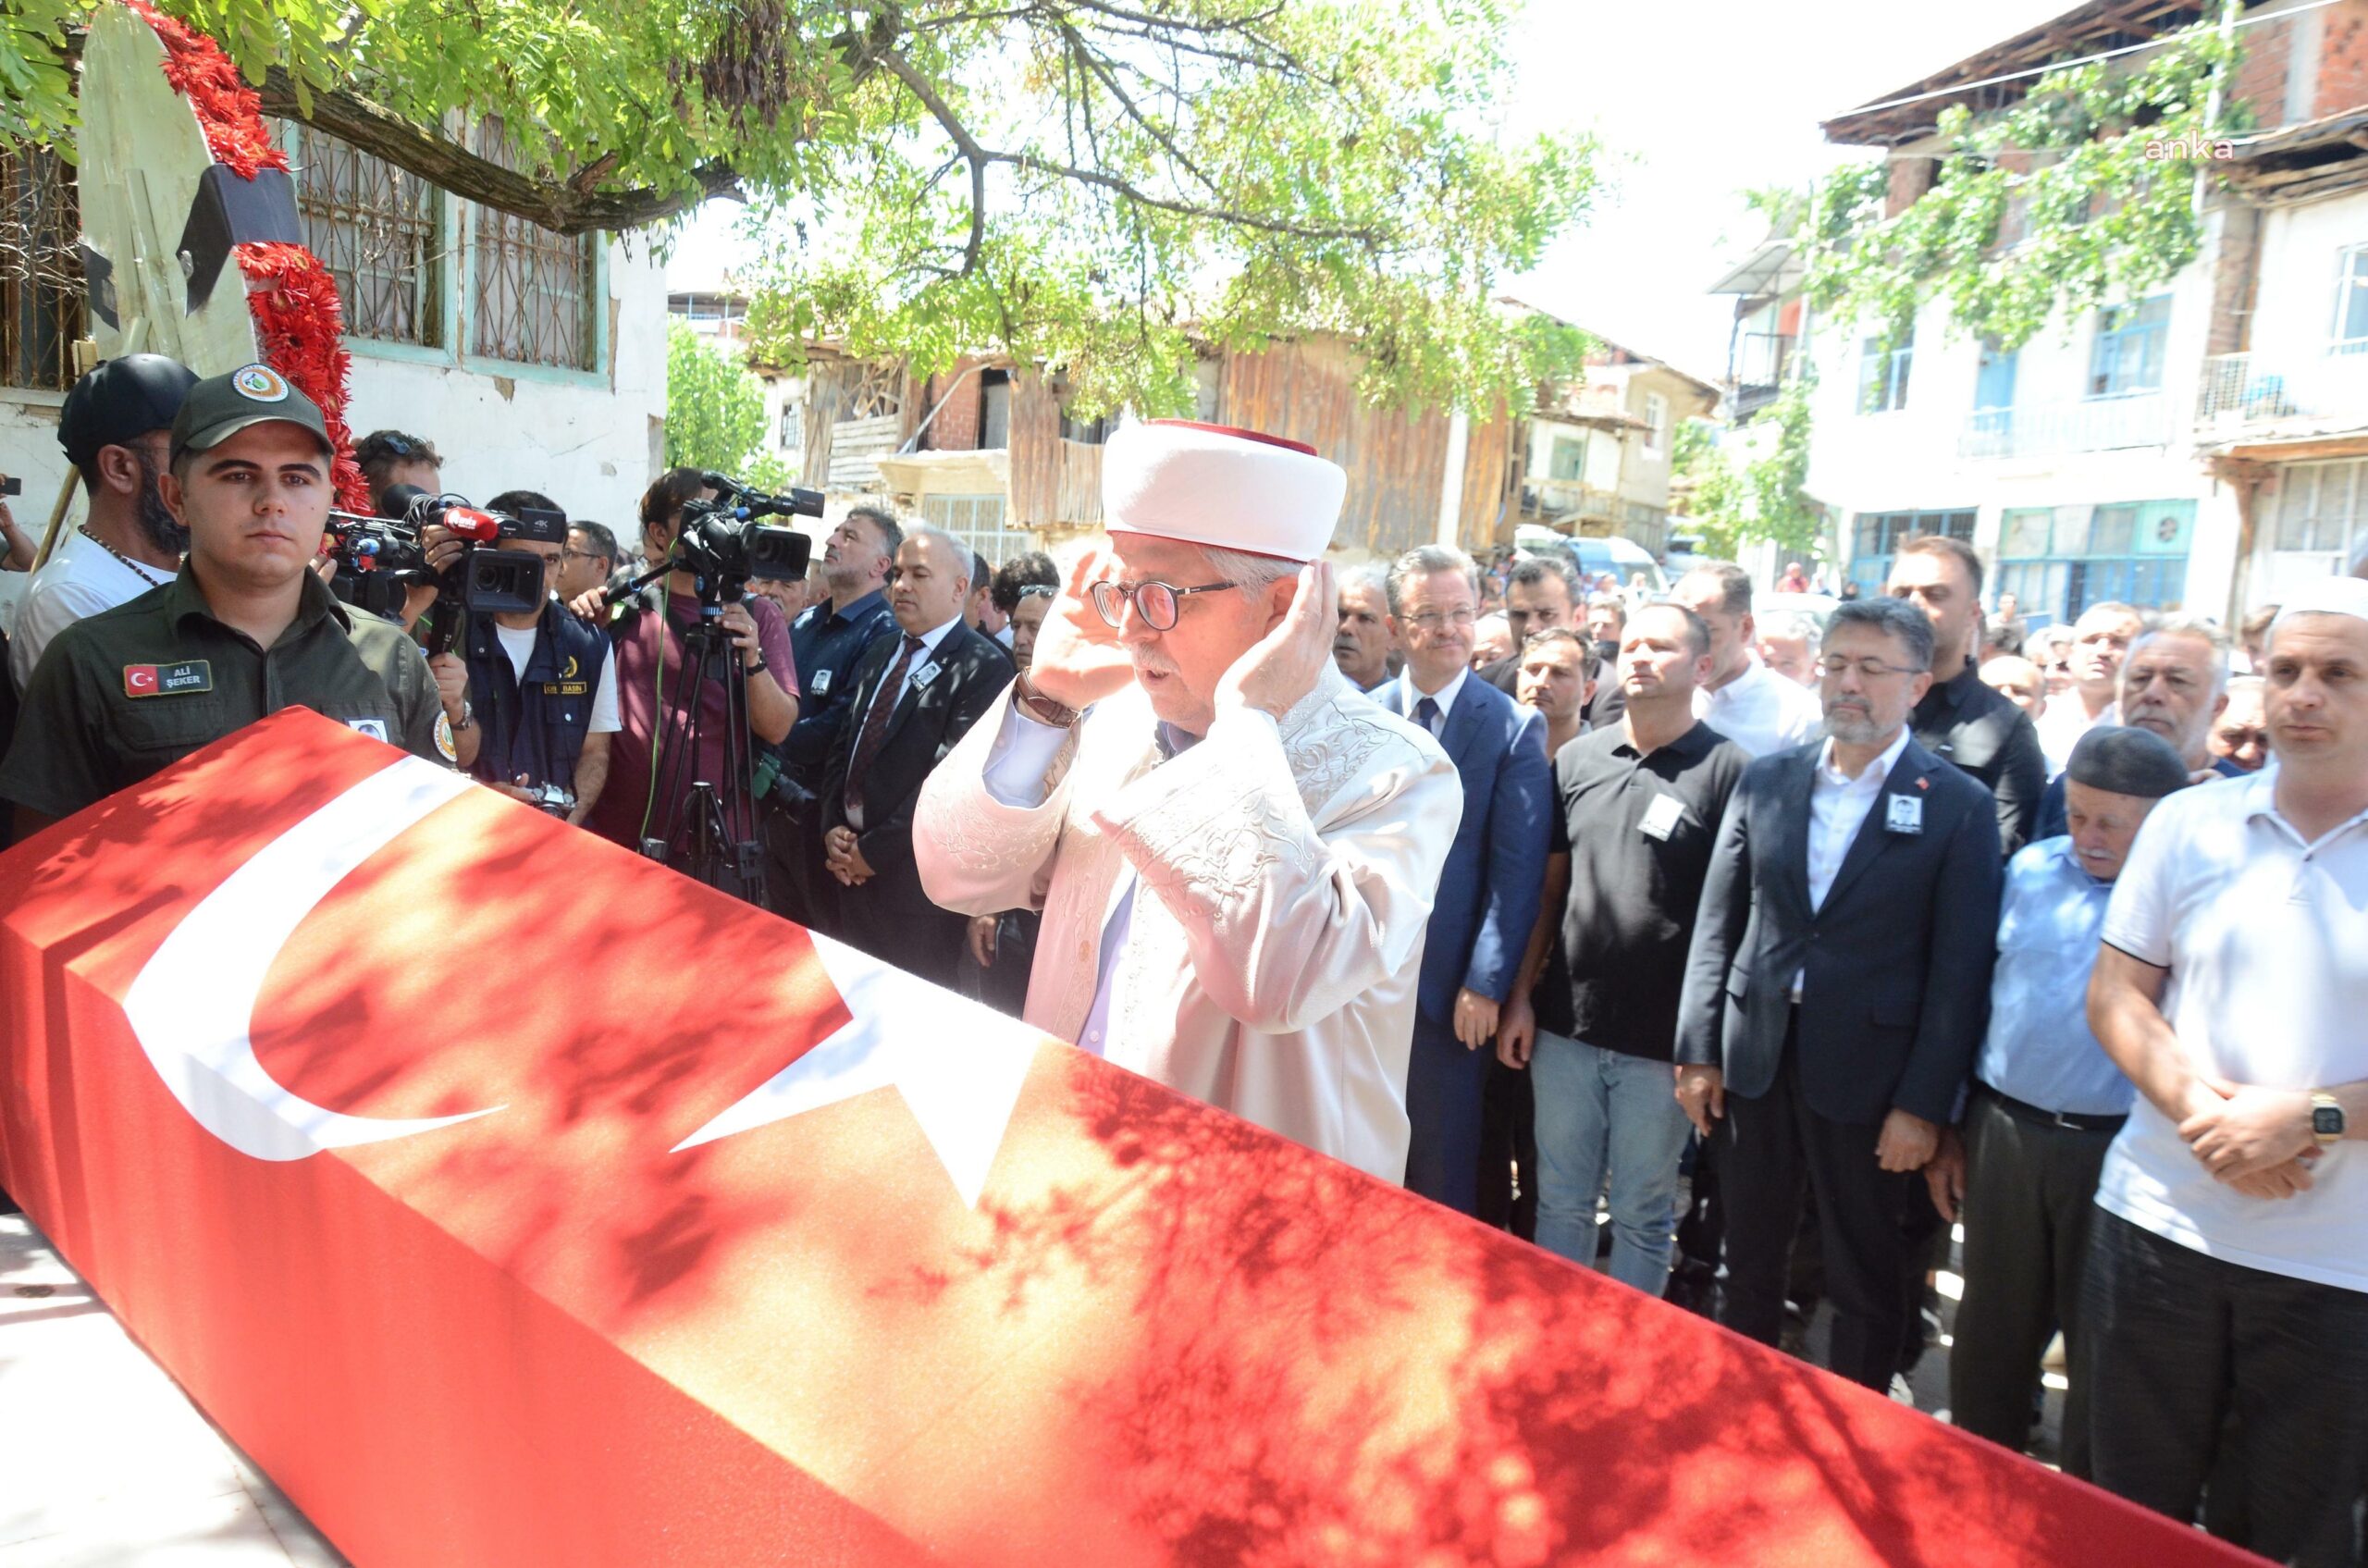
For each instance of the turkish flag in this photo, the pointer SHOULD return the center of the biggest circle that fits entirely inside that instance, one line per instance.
(513, 1200)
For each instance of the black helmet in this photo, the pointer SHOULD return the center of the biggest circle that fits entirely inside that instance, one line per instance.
(120, 401)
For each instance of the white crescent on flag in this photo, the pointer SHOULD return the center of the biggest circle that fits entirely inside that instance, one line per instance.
(193, 1005)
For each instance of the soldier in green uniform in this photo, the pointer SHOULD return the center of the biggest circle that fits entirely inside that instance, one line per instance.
(245, 630)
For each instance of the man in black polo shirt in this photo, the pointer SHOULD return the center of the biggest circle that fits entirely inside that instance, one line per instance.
(1961, 721)
(1639, 805)
(827, 640)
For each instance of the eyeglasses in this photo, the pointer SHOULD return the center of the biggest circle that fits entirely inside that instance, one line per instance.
(569, 552)
(1869, 668)
(1429, 623)
(1037, 590)
(1154, 601)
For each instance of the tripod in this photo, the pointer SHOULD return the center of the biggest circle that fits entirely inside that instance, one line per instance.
(707, 830)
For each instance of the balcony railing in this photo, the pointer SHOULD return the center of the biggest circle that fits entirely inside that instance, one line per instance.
(2241, 390)
(2133, 419)
(1555, 499)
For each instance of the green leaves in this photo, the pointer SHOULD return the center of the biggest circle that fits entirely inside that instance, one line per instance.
(2065, 202)
(1084, 184)
(715, 409)
(1751, 487)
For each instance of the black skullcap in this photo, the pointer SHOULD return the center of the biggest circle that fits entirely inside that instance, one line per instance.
(2126, 761)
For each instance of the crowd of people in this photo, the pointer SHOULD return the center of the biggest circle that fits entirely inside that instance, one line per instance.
(1752, 957)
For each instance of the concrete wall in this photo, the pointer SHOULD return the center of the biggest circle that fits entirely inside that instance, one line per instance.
(591, 440)
(2294, 312)
(1910, 459)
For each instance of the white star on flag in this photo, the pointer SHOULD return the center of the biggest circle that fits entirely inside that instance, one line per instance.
(959, 1065)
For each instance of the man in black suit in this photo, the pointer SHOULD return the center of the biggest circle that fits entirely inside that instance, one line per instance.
(1836, 989)
(916, 693)
(1961, 721)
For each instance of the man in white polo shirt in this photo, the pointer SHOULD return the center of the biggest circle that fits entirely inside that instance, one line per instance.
(2229, 1271)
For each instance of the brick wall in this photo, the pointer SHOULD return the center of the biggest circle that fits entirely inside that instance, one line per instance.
(955, 429)
(2343, 59)
(1911, 176)
(2260, 74)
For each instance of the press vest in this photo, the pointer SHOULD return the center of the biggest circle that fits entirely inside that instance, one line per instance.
(534, 727)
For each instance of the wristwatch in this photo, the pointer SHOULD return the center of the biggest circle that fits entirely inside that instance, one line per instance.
(1042, 709)
(2326, 1119)
(468, 716)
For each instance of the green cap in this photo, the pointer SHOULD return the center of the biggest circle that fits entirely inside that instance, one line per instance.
(220, 406)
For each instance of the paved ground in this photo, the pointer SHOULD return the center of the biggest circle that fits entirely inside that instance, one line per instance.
(104, 1461)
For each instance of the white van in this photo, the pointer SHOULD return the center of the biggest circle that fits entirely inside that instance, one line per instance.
(1622, 558)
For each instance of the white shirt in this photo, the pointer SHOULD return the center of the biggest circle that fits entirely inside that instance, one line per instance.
(1838, 808)
(923, 659)
(1445, 696)
(2064, 722)
(2267, 941)
(81, 579)
(518, 642)
(1761, 712)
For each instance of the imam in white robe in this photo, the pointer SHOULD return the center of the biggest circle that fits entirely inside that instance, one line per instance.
(1281, 877)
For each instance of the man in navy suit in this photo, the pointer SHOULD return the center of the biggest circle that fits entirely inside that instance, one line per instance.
(1837, 988)
(1488, 894)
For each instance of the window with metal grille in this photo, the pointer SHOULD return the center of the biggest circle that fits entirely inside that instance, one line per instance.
(533, 289)
(379, 230)
(41, 275)
(977, 521)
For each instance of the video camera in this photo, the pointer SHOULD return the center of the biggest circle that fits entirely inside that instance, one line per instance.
(723, 544)
(380, 559)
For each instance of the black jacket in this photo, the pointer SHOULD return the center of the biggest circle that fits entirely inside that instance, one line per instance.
(1980, 732)
(1896, 991)
(891, 911)
(1601, 711)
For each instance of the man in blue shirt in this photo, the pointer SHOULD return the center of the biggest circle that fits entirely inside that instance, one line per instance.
(2046, 1102)
(826, 642)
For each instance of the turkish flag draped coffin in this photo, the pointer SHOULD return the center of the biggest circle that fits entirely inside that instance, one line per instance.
(514, 1201)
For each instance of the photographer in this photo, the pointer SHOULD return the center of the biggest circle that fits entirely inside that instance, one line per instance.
(542, 687)
(647, 631)
(114, 427)
(246, 629)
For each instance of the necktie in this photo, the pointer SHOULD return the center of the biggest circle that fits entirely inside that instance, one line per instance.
(875, 723)
(1427, 714)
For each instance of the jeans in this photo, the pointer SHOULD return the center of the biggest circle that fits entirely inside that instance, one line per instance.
(2177, 1340)
(1600, 1110)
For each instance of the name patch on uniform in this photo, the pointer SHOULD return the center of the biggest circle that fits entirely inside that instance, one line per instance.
(567, 688)
(168, 680)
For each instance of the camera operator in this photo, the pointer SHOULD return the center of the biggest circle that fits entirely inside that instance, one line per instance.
(591, 554)
(246, 629)
(827, 641)
(542, 686)
(113, 428)
(389, 457)
(646, 631)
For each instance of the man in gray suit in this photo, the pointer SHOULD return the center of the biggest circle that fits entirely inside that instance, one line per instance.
(1836, 989)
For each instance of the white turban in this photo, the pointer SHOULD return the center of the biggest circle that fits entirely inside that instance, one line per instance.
(1230, 489)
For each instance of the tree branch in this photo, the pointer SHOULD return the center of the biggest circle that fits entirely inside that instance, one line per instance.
(566, 205)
